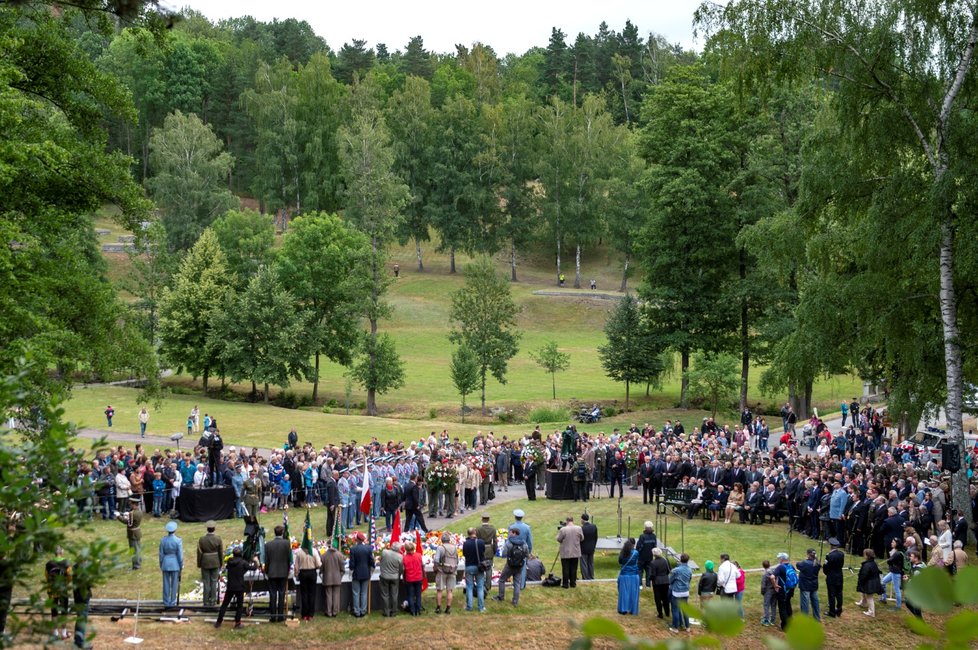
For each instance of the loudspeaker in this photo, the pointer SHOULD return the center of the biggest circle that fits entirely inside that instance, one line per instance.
(559, 485)
(950, 457)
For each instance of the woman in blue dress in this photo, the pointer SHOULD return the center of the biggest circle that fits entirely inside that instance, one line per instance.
(628, 579)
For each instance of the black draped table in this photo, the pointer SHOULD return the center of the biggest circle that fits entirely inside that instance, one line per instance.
(204, 504)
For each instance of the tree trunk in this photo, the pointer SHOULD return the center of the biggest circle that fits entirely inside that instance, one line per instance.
(960, 496)
(577, 267)
(206, 373)
(553, 383)
(626, 394)
(417, 250)
(315, 384)
(684, 371)
(793, 397)
(558, 261)
(254, 391)
(512, 262)
(374, 301)
(463, 409)
(483, 375)
(624, 276)
(744, 334)
(266, 393)
(451, 260)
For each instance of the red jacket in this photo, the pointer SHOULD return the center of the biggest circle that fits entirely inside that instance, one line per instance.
(413, 569)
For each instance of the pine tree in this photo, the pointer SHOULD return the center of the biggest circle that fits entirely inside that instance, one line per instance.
(632, 354)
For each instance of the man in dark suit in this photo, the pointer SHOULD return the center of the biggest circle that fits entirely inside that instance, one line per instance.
(834, 562)
(960, 533)
(588, 544)
(892, 527)
(331, 496)
(648, 490)
(361, 566)
(658, 469)
(714, 476)
(412, 505)
(277, 560)
(752, 506)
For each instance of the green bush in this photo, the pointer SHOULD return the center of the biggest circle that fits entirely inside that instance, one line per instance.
(332, 403)
(507, 417)
(549, 414)
(609, 411)
(291, 400)
(326, 410)
(432, 413)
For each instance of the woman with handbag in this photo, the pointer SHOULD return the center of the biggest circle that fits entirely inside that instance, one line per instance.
(474, 552)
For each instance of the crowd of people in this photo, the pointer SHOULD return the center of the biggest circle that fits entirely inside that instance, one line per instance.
(856, 493)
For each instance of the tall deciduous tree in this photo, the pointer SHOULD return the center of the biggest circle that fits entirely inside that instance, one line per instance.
(200, 290)
(912, 60)
(551, 359)
(321, 263)
(632, 354)
(246, 237)
(516, 125)
(189, 182)
(625, 203)
(151, 267)
(691, 226)
(485, 316)
(375, 199)
(55, 172)
(465, 372)
(411, 120)
(260, 335)
(713, 378)
(319, 111)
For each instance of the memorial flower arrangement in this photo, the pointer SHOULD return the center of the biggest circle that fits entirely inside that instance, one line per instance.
(535, 453)
(631, 457)
(441, 477)
(482, 464)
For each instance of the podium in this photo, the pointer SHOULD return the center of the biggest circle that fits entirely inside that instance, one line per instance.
(559, 485)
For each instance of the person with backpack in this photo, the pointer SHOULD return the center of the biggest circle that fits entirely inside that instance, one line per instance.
(446, 572)
(784, 579)
(579, 471)
(516, 553)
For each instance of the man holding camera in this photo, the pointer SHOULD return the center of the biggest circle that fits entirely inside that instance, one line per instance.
(569, 537)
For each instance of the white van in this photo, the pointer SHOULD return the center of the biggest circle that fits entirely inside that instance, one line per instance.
(933, 439)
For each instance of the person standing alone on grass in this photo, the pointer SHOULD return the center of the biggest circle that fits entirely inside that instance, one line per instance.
(834, 563)
(143, 420)
(109, 413)
(171, 564)
(210, 557)
(569, 537)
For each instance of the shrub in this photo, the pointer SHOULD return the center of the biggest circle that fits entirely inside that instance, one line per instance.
(332, 403)
(291, 400)
(507, 417)
(549, 414)
(609, 411)
(326, 410)
(432, 413)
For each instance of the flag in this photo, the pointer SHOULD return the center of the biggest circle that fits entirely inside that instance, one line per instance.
(424, 576)
(396, 528)
(307, 535)
(365, 489)
(288, 538)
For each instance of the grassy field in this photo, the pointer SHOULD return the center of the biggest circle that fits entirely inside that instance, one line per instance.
(545, 618)
(261, 425)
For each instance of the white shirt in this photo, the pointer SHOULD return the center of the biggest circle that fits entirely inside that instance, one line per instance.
(727, 577)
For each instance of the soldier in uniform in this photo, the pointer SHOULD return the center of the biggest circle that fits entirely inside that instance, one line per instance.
(251, 500)
(134, 533)
(210, 557)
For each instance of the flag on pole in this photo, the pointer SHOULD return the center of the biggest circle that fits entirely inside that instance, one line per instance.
(288, 538)
(396, 528)
(365, 489)
(424, 576)
(307, 534)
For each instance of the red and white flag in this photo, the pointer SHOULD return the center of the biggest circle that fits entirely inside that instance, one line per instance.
(365, 490)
